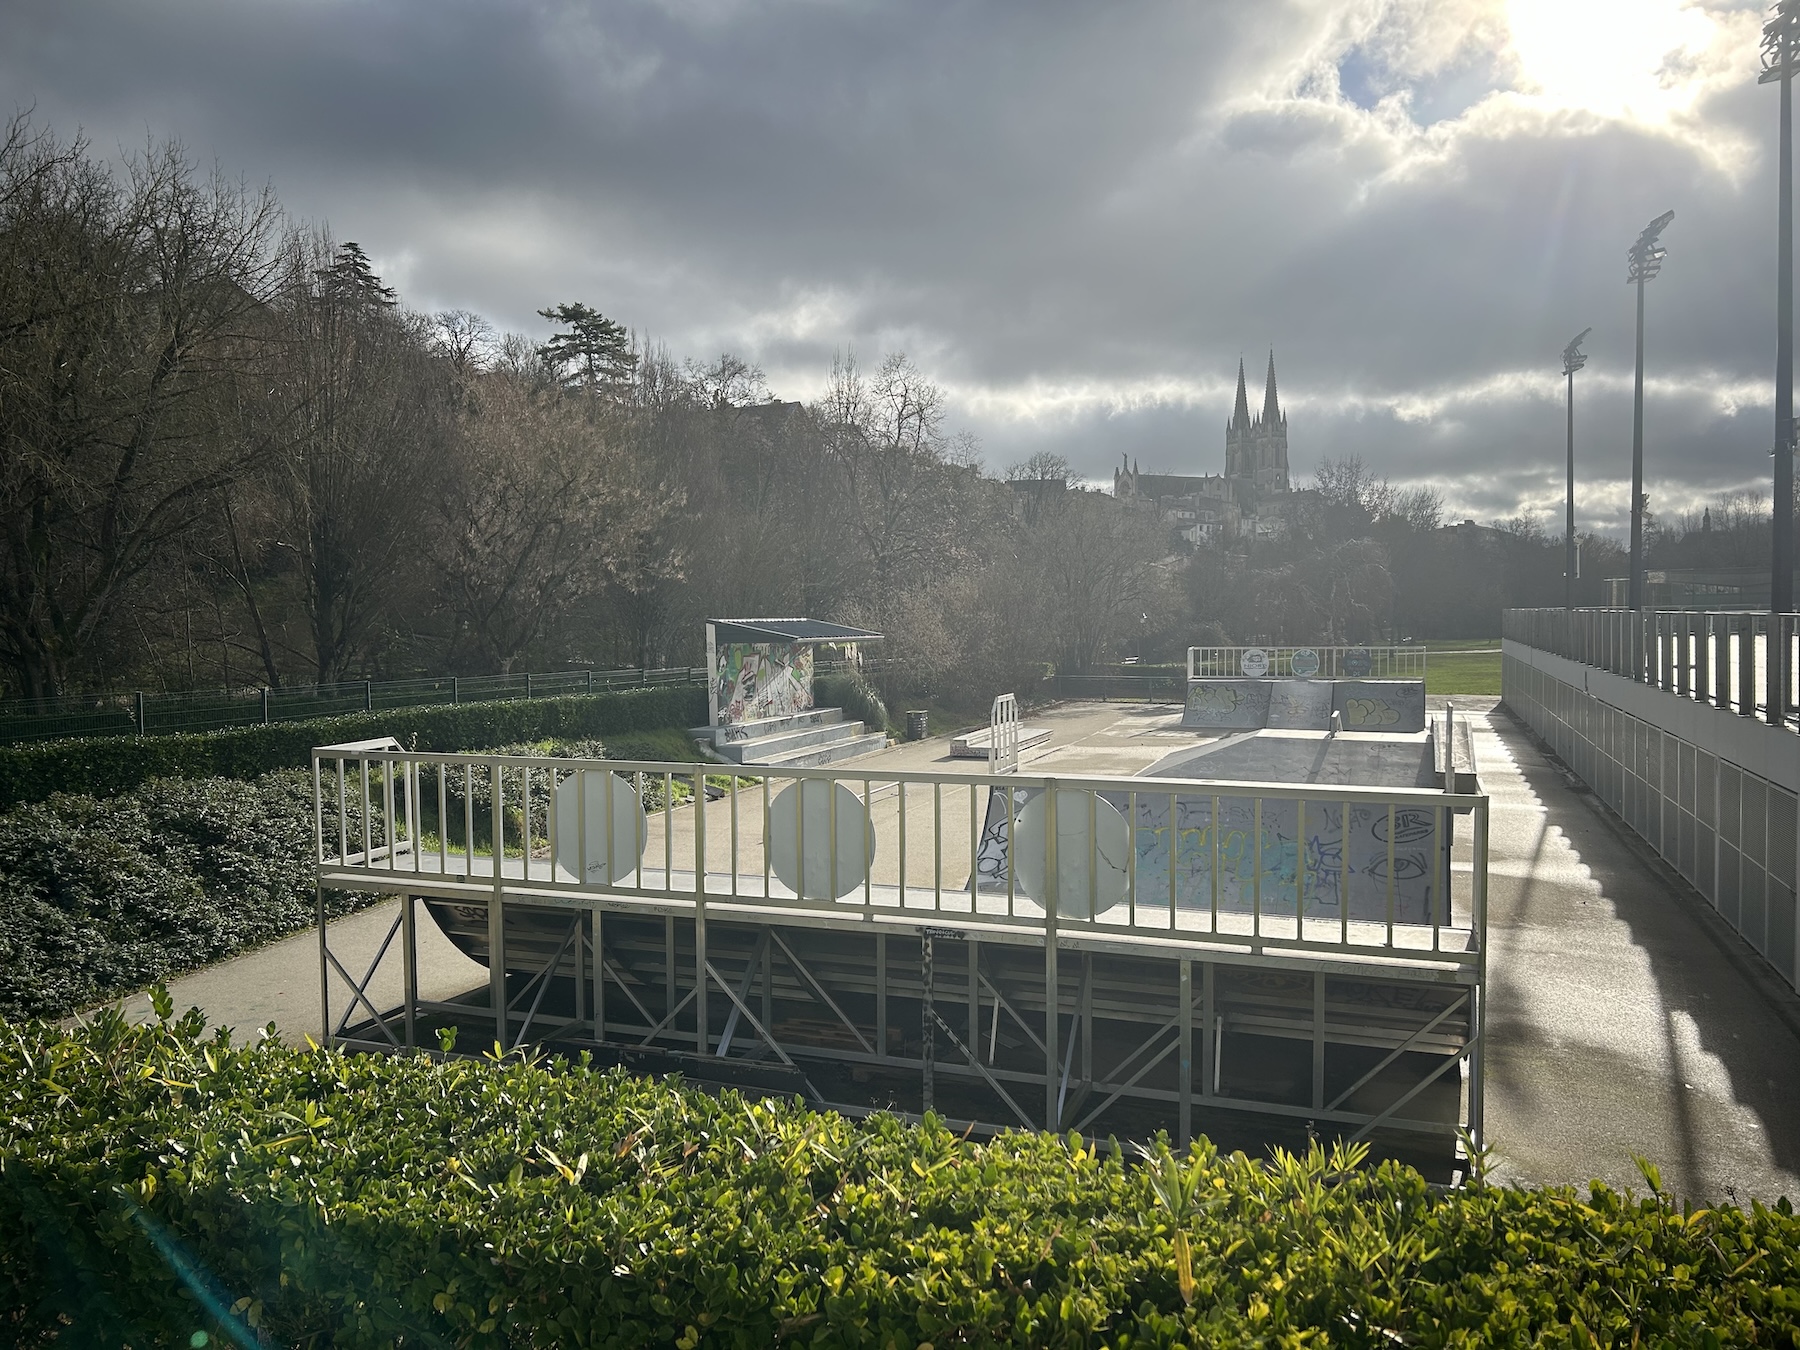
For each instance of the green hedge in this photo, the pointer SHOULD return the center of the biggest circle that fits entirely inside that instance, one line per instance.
(104, 765)
(102, 897)
(154, 1185)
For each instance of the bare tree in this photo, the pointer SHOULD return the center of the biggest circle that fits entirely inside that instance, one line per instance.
(125, 303)
(529, 515)
(371, 426)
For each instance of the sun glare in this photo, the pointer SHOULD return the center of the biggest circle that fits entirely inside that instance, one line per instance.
(1614, 57)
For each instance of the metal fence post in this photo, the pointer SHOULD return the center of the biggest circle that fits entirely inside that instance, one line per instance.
(139, 700)
(265, 705)
(528, 684)
(368, 696)
(453, 690)
(590, 680)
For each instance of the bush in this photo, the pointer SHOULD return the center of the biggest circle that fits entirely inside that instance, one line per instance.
(104, 765)
(100, 898)
(855, 696)
(154, 1185)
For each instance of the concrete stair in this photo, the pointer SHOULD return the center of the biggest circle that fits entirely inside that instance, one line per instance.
(804, 740)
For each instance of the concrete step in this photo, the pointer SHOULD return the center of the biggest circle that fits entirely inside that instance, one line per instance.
(739, 732)
(812, 756)
(758, 750)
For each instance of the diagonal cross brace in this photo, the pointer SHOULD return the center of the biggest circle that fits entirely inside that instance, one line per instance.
(359, 990)
(762, 1031)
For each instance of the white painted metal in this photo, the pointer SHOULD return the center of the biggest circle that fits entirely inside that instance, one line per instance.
(1092, 845)
(1335, 663)
(1003, 735)
(819, 839)
(600, 833)
(391, 821)
(374, 792)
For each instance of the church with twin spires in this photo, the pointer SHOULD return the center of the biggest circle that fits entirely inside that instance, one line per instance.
(1250, 500)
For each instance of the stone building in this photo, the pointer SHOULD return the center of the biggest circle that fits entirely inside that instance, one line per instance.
(1249, 500)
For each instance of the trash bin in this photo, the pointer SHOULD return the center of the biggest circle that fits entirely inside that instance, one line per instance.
(918, 725)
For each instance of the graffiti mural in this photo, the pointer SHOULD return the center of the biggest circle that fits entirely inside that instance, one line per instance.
(1226, 705)
(763, 679)
(1277, 860)
(1380, 705)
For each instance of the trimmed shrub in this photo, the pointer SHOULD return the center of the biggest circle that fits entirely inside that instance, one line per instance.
(100, 898)
(104, 765)
(155, 1186)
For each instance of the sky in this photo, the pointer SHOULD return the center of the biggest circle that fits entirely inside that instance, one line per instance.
(1075, 218)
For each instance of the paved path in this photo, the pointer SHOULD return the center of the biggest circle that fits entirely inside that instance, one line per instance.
(1620, 1019)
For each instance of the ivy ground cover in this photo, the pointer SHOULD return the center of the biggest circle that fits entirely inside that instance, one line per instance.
(160, 1187)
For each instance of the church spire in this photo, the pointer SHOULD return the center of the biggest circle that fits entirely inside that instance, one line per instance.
(1240, 417)
(1271, 412)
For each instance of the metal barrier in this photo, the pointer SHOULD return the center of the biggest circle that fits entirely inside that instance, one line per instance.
(1336, 885)
(139, 713)
(1003, 735)
(1334, 663)
(1745, 661)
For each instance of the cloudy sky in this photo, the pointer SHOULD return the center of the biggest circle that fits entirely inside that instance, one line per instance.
(1075, 217)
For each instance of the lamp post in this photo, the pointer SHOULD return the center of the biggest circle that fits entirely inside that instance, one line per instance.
(1645, 260)
(1573, 360)
(1781, 62)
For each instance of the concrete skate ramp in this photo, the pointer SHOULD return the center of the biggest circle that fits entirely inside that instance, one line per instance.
(1380, 705)
(1352, 759)
(1396, 706)
(1227, 705)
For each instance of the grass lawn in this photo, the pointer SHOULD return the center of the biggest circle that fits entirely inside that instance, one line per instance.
(1463, 666)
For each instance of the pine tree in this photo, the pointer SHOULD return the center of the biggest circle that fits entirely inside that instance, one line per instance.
(593, 356)
(351, 279)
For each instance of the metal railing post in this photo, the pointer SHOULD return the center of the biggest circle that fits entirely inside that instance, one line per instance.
(1746, 698)
(368, 696)
(139, 701)
(265, 705)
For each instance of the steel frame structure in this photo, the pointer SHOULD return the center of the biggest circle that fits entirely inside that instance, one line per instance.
(911, 993)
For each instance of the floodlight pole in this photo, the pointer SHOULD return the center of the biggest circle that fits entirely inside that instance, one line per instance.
(1781, 61)
(1645, 261)
(1573, 360)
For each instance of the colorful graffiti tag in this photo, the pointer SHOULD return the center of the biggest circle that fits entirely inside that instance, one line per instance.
(763, 679)
(1285, 858)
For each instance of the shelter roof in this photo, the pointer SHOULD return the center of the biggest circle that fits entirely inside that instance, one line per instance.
(789, 630)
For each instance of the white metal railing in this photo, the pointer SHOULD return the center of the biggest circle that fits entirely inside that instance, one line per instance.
(1003, 735)
(1325, 663)
(1745, 661)
(1250, 866)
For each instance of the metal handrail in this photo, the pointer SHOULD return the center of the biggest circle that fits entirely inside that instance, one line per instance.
(1743, 661)
(1242, 883)
(1384, 663)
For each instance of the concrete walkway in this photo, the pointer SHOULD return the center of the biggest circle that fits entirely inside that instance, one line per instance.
(1622, 1016)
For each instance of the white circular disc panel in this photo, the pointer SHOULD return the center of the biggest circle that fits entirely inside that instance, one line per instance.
(794, 831)
(1254, 663)
(609, 855)
(1075, 898)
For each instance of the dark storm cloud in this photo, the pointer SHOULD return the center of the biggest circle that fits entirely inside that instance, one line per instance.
(1075, 217)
